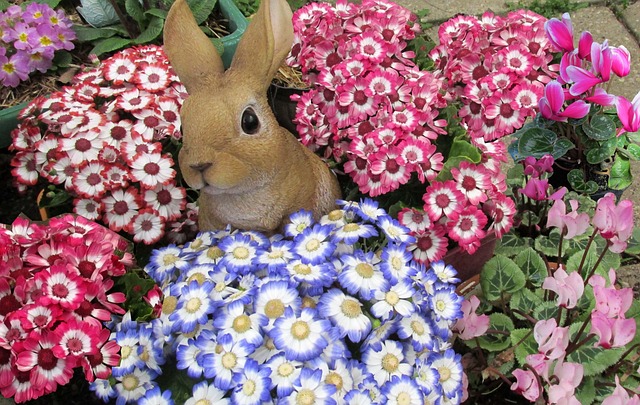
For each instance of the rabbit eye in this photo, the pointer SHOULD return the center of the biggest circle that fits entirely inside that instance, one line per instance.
(250, 123)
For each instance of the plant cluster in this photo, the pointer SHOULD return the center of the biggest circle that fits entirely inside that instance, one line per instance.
(549, 320)
(56, 292)
(496, 67)
(107, 143)
(29, 39)
(384, 122)
(333, 311)
(591, 133)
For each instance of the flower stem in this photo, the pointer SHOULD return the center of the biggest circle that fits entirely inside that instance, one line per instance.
(595, 266)
(586, 250)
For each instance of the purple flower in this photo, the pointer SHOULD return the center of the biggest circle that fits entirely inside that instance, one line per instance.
(12, 71)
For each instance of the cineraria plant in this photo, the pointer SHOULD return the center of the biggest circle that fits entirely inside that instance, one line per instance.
(549, 319)
(334, 311)
(385, 123)
(107, 143)
(57, 289)
(29, 39)
(592, 141)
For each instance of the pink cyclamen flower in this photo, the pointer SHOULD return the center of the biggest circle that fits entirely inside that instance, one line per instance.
(629, 114)
(572, 223)
(536, 189)
(568, 287)
(552, 340)
(471, 325)
(569, 377)
(615, 222)
(612, 332)
(560, 33)
(621, 396)
(610, 301)
(551, 104)
(526, 384)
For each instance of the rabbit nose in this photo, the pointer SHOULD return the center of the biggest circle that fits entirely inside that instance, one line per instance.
(201, 167)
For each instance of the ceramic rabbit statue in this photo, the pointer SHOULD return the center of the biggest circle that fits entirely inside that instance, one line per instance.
(251, 173)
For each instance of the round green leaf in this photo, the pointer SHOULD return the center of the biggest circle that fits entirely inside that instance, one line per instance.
(538, 142)
(497, 341)
(526, 344)
(532, 265)
(599, 128)
(620, 175)
(501, 277)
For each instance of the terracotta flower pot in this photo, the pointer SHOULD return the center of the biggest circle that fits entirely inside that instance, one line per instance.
(468, 265)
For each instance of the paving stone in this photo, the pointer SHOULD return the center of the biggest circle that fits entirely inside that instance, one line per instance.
(631, 17)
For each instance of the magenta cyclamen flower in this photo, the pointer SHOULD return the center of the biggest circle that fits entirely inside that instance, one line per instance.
(568, 287)
(560, 33)
(629, 114)
(536, 189)
(551, 105)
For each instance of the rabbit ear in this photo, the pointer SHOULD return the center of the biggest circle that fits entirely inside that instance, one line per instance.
(190, 51)
(266, 42)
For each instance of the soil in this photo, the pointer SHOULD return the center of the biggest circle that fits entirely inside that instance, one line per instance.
(13, 203)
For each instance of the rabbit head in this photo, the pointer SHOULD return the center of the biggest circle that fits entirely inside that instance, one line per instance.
(251, 172)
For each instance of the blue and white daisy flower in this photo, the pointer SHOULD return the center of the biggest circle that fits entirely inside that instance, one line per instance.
(265, 351)
(283, 373)
(335, 218)
(449, 369)
(299, 221)
(396, 299)
(199, 273)
(345, 313)
(367, 209)
(361, 274)
(386, 359)
(129, 341)
(396, 263)
(205, 393)
(150, 349)
(314, 245)
(417, 329)
(273, 297)
(276, 256)
(373, 388)
(394, 231)
(211, 255)
(132, 386)
(358, 397)
(402, 390)
(382, 332)
(260, 239)
(310, 388)
(351, 232)
(234, 320)
(194, 306)
(425, 281)
(226, 361)
(103, 389)
(427, 377)
(222, 281)
(206, 329)
(201, 242)
(338, 375)
(300, 337)
(240, 253)
(165, 262)
(312, 277)
(156, 397)
(441, 328)
(445, 303)
(252, 385)
(445, 272)
(187, 354)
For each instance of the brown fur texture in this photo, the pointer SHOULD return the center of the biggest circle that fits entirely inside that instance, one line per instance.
(252, 181)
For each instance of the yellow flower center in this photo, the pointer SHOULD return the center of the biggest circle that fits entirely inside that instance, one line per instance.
(312, 245)
(445, 373)
(199, 277)
(308, 302)
(229, 360)
(54, 20)
(351, 308)
(441, 305)
(305, 397)
(364, 270)
(203, 401)
(335, 215)
(392, 298)
(417, 328)
(169, 259)
(169, 304)
(274, 309)
(300, 330)
(269, 344)
(301, 227)
(242, 323)
(240, 253)
(275, 255)
(196, 244)
(403, 398)
(396, 263)
(351, 227)
(45, 40)
(23, 37)
(125, 352)
(8, 67)
(130, 382)
(334, 378)
(302, 268)
(390, 363)
(193, 305)
(249, 388)
(285, 369)
(214, 253)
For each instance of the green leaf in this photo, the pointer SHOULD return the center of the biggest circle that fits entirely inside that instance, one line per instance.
(603, 152)
(595, 360)
(4, 4)
(590, 260)
(548, 310)
(620, 176)
(577, 182)
(525, 301)
(51, 3)
(135, 11)
(501, 276)
(512, 244)
(599, 128)
(88, 34)
(201, 9)
(548, 245)
(62, 59)
(586, 392)
(153, 31)
(538, 142)
(98, 13)
(633, 245)
(526, 344)
(497, 341)
(110, 45)
(532, 265)
(632, 151)
(156, 12)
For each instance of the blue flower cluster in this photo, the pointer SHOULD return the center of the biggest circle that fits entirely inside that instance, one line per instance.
(330, 312)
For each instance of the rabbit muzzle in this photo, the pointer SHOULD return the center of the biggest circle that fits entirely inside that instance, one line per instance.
(222, 173)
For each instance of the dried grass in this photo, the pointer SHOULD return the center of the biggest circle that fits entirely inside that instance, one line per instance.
(287, 76)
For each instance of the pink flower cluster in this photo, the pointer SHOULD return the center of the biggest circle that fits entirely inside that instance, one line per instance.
(29, 39)
(107, 140)
(56, 292)
(496, 67)
(376, 114)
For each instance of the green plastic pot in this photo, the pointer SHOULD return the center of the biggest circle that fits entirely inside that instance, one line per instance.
(237, 26)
